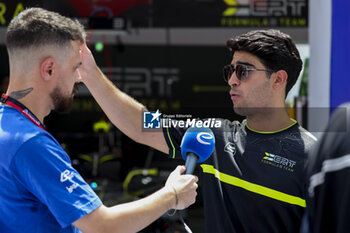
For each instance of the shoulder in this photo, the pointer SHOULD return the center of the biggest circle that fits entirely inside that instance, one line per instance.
(307, 137)
(21, 135)
(16, 130)
(14, 123)
(32, 137)
(39, 151)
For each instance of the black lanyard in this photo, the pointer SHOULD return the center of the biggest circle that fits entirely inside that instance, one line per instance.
(23, 109)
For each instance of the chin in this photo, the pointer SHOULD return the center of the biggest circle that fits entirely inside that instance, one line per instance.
(240, 111)
(64, 106)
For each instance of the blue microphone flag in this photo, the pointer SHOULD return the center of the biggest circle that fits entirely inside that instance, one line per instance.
(199, 141)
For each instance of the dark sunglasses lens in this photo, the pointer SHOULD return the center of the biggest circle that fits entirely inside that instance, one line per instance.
(240, 72)
(227, 72)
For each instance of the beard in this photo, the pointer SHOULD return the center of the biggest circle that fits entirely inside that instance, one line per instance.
(61, 102)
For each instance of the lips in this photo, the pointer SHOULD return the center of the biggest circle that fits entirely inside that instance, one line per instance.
(234, 95)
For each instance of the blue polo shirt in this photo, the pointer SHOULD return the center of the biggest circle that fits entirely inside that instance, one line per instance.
(40, 190)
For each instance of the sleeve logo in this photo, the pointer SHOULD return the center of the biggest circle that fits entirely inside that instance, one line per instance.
(66, 175)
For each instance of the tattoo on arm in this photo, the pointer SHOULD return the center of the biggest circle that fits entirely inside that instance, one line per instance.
(20, 94)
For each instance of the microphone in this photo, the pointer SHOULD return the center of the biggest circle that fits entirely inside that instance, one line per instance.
(197, 145)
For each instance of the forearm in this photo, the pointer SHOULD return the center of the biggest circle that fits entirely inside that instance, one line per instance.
(136, 215)
(178, 193)
(124, 112)
(128, 217)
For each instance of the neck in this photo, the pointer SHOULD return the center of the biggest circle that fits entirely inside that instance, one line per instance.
(269, 121)
(22, 109)
(31, 100)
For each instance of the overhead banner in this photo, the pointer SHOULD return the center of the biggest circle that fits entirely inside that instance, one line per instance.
(97, 14)
(173, 13)
(231, 13)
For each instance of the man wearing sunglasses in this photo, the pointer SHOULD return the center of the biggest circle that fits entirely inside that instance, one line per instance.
(254, 180)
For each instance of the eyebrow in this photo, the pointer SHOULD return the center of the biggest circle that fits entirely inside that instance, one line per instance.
(245, 63)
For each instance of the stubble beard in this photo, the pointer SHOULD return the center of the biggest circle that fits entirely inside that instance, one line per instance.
(61, 102)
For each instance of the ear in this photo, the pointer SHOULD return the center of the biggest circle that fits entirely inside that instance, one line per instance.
(48, 68)
(279, 79)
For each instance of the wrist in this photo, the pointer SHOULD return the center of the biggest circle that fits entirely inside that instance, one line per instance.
(175, 201)
(176, 197)
(171, 195)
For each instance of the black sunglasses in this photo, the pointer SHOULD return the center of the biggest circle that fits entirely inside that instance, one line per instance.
(241, 71)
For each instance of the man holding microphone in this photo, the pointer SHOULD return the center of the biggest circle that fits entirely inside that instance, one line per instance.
(42, 192)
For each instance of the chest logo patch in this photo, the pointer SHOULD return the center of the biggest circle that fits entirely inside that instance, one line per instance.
(279, 161)
(230, 148)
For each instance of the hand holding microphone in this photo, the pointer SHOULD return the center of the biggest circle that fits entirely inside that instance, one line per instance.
(184, 188)
(197, 145)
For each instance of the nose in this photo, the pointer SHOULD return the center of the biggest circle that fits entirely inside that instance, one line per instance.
(233, 80)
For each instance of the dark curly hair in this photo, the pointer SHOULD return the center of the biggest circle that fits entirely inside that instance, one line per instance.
(276, 51)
